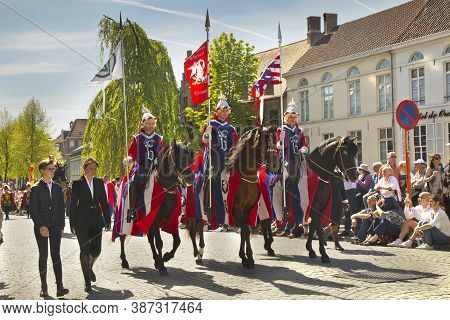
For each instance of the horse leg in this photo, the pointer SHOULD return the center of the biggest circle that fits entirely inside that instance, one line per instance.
(123, 257)
(151, 240)
(320, 235)
(176, 243)
(268, 238)
(334, 233)
(312, 229)
(159, 247)
(242, 248)
(248, 249)
(193, 234)
(201, 243)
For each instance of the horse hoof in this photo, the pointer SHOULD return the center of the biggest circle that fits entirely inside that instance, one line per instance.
(312, 254)
(167, 256)
(271, 253)
(199, 261)
(125, 264)
(338, 247)
(325, 259)
(163, 273)
(201, 251)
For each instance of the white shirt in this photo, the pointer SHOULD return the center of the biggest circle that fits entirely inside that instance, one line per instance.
(418, 212)
(49, 186)
(348, 185)
(391, 182)
(90, 185)
(440, 220)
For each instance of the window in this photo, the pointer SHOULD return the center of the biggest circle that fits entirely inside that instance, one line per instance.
(384, 84)
(303, 82)
(328, 102)
(71, 143)
(327, 136)
(386, 143)
(353, 71)
(447, 51)
(447, 78)
(326, 77)
(269, 90)
(357, 134)
(418, 85)
(304, 106)
(435, 138)
(383, 64)
(354, 93)
(274, 117)
(416, 56)
(420, 143)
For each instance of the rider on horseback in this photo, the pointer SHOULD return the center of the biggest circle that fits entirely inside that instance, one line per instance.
(295, 149)
(223, 137)
(143, 151)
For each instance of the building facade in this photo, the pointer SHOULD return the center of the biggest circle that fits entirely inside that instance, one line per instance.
(354, 75)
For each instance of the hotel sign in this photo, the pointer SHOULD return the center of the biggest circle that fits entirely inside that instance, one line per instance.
(434, 114)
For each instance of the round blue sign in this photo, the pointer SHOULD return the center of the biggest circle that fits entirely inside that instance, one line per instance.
(407, 114)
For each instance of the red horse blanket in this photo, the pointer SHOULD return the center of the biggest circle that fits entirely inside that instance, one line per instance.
(313, 184)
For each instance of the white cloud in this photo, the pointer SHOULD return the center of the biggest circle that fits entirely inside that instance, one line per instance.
(18, 68)
(37, 41)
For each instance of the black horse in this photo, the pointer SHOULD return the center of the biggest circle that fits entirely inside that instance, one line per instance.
(335, 152)
(171, 172)
(255, 148)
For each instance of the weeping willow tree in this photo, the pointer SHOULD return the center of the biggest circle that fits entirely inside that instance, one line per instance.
(150, 83)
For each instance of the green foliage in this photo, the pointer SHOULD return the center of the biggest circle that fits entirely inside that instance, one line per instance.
(150, 82)
(233, 70)
(7, 124)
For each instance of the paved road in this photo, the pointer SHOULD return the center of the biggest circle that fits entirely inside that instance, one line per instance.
(358, 273)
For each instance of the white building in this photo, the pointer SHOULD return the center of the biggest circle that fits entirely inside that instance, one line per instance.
(354, 75)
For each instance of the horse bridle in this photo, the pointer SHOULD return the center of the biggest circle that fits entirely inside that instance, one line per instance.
(172, 167)
(338, 149)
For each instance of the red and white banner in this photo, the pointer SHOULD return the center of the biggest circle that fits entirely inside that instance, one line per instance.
(196, 70)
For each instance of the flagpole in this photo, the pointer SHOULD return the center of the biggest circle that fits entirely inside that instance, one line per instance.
(283, 184)
(124, 109)
(209, 131)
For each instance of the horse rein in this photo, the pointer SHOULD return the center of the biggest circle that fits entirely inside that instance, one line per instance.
(173, 167)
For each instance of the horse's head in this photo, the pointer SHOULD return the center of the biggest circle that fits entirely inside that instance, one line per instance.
(182, 158)
(345, 157)
(269, 155)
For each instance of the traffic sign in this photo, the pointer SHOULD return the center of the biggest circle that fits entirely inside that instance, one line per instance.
(407, 114)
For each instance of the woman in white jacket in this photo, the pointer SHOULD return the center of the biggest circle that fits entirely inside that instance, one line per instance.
(389, 188)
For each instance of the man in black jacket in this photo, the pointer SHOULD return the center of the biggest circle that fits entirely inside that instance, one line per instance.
(87, 209)
(47, 212)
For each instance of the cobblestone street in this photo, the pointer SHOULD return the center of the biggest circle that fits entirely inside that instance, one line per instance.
(358, 273)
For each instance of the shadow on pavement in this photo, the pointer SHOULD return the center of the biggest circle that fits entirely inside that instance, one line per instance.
(3, 286)
(182, 278)
(100, 293)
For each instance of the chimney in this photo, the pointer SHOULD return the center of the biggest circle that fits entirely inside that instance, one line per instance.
(329, 22)
(188, 53)
(314, 32)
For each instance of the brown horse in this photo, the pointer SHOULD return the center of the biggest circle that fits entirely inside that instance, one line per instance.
(335, 152)
(255, 148)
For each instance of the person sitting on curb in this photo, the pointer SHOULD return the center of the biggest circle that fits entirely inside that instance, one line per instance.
(413, 215)
(362, 220)
(435, 231)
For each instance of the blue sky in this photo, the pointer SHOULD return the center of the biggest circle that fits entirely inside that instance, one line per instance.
(32, 63)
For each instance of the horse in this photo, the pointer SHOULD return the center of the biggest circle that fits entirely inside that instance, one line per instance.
(172, 170)
(256, 148)
(322, 161)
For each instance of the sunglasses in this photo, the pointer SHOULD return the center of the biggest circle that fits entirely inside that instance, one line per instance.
(437, 158)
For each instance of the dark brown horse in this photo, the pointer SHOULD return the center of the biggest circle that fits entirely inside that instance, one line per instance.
(335, 152)
(171, 171)
(255, 148)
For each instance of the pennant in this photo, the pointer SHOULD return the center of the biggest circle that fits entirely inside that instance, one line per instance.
(196, 71)
(112, 69)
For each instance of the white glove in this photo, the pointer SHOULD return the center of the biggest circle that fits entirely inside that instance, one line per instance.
(127, 161)
(286, 164)
(282, 135)
(304, 150)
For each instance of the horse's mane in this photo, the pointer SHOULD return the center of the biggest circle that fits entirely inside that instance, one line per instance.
(236, 150)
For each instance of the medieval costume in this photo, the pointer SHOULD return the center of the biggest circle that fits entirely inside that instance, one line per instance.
(8, 201)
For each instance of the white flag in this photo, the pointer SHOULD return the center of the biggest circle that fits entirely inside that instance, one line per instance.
(112, 70)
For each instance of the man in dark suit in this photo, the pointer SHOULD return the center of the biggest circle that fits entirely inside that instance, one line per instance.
(87, 209)
(47, 212)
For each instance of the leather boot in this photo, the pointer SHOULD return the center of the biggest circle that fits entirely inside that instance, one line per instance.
(60, 290)
(92, 274)
(44, 290)
(86, 268)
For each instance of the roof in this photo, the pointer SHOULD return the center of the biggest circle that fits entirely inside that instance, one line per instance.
(411, 20)
(290, 53)
(78, 127)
